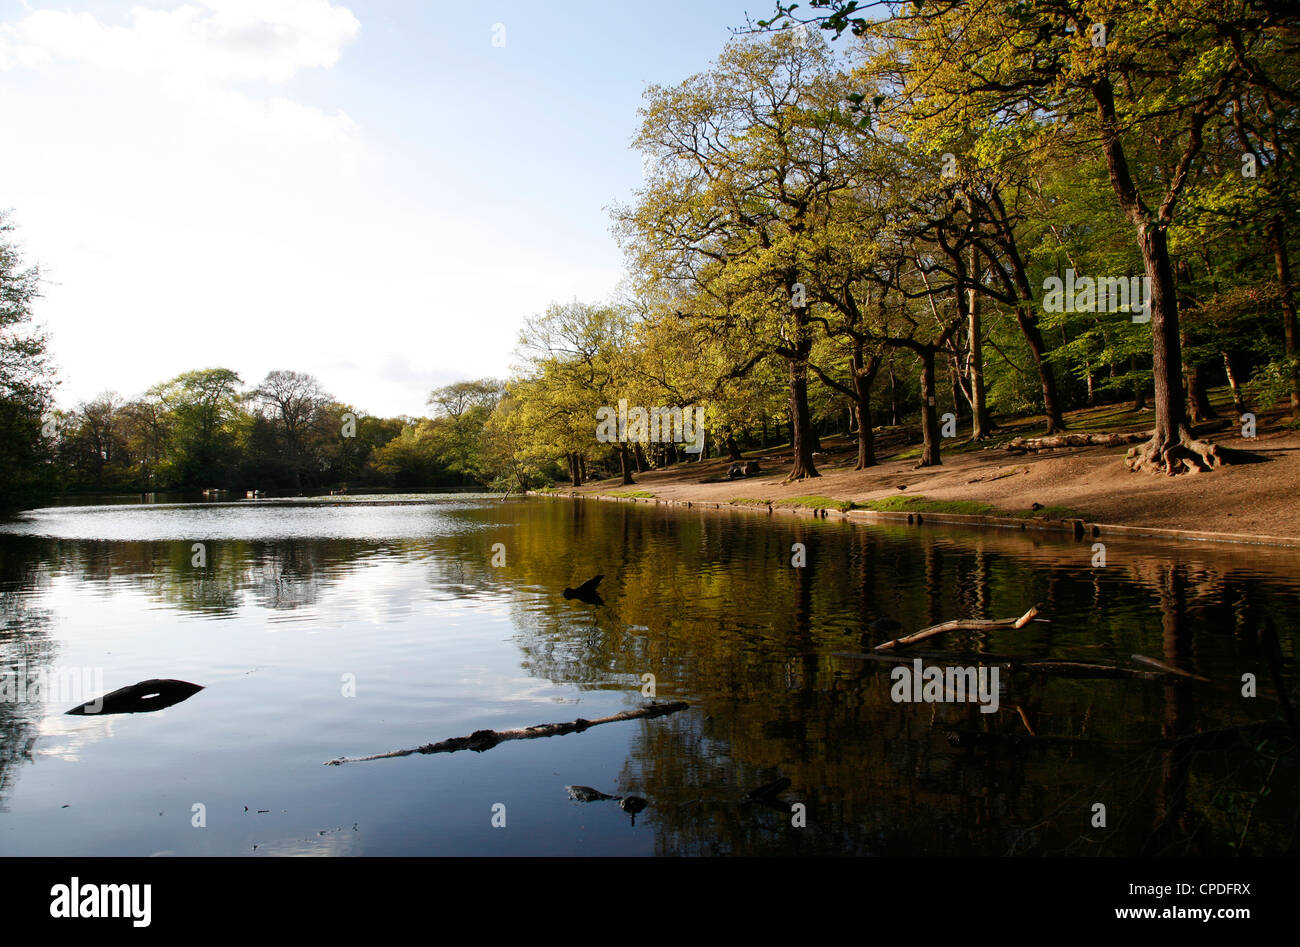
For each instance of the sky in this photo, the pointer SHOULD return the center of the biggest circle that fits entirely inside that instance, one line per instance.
(377, 193)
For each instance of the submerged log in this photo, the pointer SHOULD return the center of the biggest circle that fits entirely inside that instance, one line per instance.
(1079, 669)
(1168, 668)
(482, 740)
(961, 624)
(1225, 738)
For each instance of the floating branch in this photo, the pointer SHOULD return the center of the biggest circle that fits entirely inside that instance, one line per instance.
(482, 740)
(1168, 668)
(961, 624)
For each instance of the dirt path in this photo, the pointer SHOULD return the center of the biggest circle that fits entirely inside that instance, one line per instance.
(1261, 498)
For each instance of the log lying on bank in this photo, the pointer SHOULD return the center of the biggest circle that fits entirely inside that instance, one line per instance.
(1054, 441)
(482, 740)
(961, 624)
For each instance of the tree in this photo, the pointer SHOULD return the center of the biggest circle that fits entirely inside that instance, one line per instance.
(465, 406)
(294, 401)
(202, 410)
(744, 161)
(26, 375)
(571, 354)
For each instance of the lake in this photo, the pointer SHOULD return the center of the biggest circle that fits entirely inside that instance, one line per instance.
(345, 627)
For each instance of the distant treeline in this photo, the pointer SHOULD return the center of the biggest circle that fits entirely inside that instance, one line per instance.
(205, 429)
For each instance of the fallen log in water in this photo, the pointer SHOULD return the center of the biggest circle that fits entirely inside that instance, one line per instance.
(1062, 668)
(1222, 739)
(1080, 669)
(960, 624)
(1168, 668)
(482, 740)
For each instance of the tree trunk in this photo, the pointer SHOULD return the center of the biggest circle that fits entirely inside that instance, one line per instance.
(862, 382)
(980, 427)
(1198, 402)
(733, 452)
(893, 398)
(800, 422)
(625, 464)
(1277, 237)
(1238, 403)
(1172, 447)
(1028, 323)
(957, 390)
(929, 411)
(582, 468)
(574, 478)
(1027, 319)
(642, 464)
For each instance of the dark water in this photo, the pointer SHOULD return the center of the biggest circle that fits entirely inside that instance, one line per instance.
(401, 600)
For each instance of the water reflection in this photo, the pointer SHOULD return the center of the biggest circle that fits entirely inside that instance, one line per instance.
(401, 601)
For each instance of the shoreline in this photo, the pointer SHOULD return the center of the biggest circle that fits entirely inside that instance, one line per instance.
(1076, 527)
(1083, 491)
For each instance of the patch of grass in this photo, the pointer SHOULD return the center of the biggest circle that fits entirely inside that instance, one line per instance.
(819, 503)
(1008, 472)
(634, 494)
(747, 501)
(1051, 513)
(919, 504)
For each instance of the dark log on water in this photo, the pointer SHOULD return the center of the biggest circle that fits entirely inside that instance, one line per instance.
(143, 698)
(768, 791)
(961, 624)
(481, 740)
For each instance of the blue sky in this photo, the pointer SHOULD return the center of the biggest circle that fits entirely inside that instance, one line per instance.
(372, 192)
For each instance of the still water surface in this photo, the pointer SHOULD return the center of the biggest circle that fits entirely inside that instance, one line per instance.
(397, 598)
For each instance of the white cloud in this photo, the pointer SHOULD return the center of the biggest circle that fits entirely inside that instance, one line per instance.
(204, 42)
(195, 51)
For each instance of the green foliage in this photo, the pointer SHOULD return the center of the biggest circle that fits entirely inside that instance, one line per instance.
(26, 377)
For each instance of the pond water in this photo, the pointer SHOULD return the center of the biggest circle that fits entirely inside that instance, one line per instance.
(354, 626)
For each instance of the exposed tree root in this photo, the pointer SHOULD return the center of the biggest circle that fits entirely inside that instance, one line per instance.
(1184, 455)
